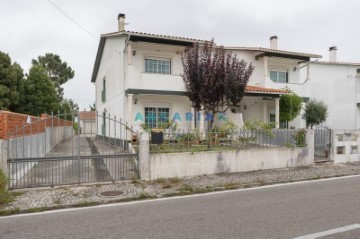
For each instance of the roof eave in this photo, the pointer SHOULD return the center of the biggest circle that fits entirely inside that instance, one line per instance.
(98, 58)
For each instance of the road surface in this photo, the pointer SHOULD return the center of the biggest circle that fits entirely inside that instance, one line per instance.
(323, 208)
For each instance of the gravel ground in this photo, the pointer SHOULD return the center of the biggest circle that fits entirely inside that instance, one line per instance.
(136, 189)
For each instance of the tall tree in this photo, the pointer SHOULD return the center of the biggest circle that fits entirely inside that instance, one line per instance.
(214, 80)
(58, 71)
(290, 106)
(10, 78)
(38, 93)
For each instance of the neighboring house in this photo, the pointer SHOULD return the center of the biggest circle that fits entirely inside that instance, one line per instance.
(137, 77)
(88, 122)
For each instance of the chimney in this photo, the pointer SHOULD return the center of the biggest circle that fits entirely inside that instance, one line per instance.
(121, 22)
(332, 54)
(273, 42)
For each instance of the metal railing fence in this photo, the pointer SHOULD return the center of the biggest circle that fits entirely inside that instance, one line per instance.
(68, 148)
(179, 141)
(25, 173)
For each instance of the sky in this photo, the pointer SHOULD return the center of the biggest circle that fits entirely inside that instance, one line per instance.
(72, 28)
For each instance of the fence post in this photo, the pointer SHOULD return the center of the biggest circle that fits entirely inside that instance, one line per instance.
(144, 157)
(78, 151)
(310, 145)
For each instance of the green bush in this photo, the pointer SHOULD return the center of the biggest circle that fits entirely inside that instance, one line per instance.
(5, 196)
(315, 113)
(300, 137)
(75, 127)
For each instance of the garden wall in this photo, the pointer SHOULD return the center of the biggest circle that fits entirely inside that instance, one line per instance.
(167, 165)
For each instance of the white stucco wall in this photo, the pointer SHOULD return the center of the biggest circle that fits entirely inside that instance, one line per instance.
(203, 163)
(335, 85)
(112, 69)
(136, 77)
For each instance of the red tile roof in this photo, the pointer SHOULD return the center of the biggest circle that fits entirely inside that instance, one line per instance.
(250, 88)
(87, 115)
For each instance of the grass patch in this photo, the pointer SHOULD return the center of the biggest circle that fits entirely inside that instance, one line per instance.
(138, 183)
(160, 180)
(145, 195)
(37, 209)
(186, 188)
(230, 186)
(5, 195)
(17, 194)
(86, 204)
(57, 200)
(9, 211)
(168, 183)
(175, 180)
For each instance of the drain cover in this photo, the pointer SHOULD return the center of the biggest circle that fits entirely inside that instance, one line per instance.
(111, 193)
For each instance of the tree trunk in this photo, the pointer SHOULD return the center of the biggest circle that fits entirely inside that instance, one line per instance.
(209, 131)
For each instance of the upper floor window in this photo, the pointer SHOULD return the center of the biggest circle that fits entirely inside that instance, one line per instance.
(158, 65)
(279, 76)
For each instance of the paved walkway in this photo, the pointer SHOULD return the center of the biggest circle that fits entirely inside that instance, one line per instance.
(136, 189)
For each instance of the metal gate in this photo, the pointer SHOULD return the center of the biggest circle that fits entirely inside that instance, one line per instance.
(322, 144)
(71, 148)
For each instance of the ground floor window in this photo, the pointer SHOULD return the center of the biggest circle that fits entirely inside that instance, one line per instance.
(155, 116)
(272, 119)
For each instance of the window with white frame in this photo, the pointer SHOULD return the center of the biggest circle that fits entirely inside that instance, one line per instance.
(158, 65)
(279, 76)
(156, 115)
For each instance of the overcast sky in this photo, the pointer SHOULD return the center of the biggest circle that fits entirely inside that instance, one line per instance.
(29, 28)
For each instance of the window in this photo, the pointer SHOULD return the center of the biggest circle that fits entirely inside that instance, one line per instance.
(158, 65)
(156, 115)
(279, 76)
(103, 92)
(272, 121)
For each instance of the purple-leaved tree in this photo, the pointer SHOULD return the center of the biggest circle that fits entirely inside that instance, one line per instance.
(214, 80)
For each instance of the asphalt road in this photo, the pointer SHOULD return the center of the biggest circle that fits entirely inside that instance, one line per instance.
(285, 211)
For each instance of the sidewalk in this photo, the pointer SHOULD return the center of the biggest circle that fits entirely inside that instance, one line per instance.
(39, 199)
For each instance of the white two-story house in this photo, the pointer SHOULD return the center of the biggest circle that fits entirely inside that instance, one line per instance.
(138, 80)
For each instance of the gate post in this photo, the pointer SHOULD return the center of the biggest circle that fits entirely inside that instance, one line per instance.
(310, 145)
(144, 157)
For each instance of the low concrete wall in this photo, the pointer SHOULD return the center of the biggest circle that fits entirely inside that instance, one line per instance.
(194, 164)
(346, 146)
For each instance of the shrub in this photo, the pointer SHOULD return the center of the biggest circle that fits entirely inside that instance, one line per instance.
(5, 196)
(290, 106)
(315, 113)
(299, 137)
